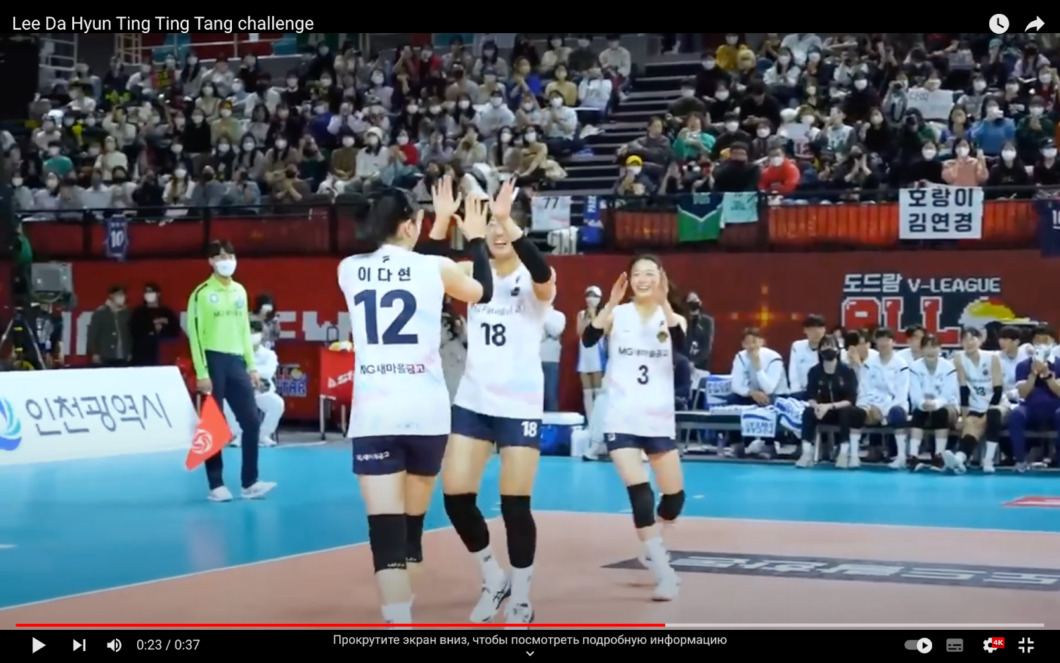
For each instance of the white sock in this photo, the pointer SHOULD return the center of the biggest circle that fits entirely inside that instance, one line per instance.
(914, 447)
(587, 398)
(961, 456)
(807, 448)
(521, 584)
(398, 613)
(855, 443)
(990, 454)
(657, 557)
(901, 441)
(844, 449)
(940, 443)
(487, 564)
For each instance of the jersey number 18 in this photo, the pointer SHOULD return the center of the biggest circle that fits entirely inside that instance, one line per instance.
(372, 303)
(494, 334)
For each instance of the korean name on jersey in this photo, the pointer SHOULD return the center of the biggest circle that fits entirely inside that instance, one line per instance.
(503, 376)
(395, 301)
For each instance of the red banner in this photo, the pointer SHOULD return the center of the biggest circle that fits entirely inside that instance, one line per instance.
(336, 375)
(941, 289)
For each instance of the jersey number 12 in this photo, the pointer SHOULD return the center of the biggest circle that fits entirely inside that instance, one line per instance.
(393, 334)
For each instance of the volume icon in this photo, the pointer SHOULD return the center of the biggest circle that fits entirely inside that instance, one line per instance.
(114, 645)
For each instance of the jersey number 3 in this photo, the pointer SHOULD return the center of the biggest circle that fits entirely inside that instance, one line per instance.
(392, 335)
(643, 378)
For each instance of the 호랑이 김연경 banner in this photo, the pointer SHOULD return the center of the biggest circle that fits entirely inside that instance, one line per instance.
(941, 212)
(56, 415)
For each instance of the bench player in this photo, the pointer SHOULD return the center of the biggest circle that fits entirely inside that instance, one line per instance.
(982, 392)
(934, 394)
(395, 301)
(643, 336)
(499, 404)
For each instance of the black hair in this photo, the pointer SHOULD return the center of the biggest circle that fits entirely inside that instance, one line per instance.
(855, 337)
(115, 289)
(151, 286)
(219, 246)
(813, 320)
(752, 331)
(644, 256)
(829, 341)
(912, 330)
(1044, 330)
(382, 212)
(1011, 333)
(256, 327)
(971, 331)
(263, 299)
(930, 341)
(883, 332)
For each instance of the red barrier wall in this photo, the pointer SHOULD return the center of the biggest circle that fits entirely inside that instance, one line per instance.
(773, 291)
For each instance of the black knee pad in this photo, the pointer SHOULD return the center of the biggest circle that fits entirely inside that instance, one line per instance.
(414, 539)
(467, 520)
(670, 505)
(642, 499)
(387, 539)
(521, 530)
(993, 425)
(967, 444)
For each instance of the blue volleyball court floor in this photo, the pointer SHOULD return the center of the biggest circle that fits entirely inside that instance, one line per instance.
(132, 540)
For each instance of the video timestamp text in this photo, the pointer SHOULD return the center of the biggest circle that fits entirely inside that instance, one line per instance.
(173, 644)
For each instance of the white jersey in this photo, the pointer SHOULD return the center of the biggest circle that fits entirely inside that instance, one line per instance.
(908, 357)
(979, 379)
(503, 375)
(938, 385)
(844, 356)
(640, 375)
(1008, 369)
(395, 300)
(884, 384)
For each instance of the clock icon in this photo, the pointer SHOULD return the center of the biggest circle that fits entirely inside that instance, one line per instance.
(999, 24)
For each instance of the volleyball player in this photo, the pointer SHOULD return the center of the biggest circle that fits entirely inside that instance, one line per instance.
(499, 403)
(395, 301)
(982, 391)
(643, 337)
(934, 396)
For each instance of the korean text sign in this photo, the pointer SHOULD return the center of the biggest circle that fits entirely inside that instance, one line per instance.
(57, 415)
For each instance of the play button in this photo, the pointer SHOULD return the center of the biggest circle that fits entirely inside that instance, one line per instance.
(923, 645)
(37, 645)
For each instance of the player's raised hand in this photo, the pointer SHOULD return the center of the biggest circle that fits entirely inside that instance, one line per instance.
(445, 204)
(502, 204)
(476, 215)
(618, 290)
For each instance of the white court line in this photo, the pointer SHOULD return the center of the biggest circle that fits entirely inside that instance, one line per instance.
(908, 626)
(196, 574)
(812, 522)
(6, 546)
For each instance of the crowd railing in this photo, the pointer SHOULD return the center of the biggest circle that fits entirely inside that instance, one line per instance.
(816, 221)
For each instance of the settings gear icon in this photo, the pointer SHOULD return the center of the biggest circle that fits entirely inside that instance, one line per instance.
(989, 646)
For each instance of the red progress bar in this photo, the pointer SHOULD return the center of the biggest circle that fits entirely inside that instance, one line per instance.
(338, 625)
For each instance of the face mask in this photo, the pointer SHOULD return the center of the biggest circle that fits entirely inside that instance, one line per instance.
(53, 151)
(1049, 153)
(207, 92)
(179, 173)
(592, 301)
(413, 109)
(876, 119)
(348, 141)
(811, 91)
(721, 95)
(488, 53)
(145, 70)
(784, 59)
(90, 121)
(197, 119)
(94, 151)
(933, 85)
(634, 170)
(16, 181)
(378, 80)
(372, 141)
(465, 104)
(1012, 88)
(709, 64)
(326, 82)
(226, 113)
(178, 148)
(776, 162)
(829, 354)
(929, 154)
(281, 144)
(118, 300)
(223, 147)
(1036, 111)
(763, 133)
(979, 86)
(993, 111)
(506, 138)
(732, 126)
(808, 119)
(434, 110)
(320, 110)
(496, 102)
(732, 40)
(1008, 155)
(962, 151)
(51, 184)
(584, 43)
(530, 137)
(193, 61)
(248, 146)
(225, 268)
(1045, 78)
(402, 140)
(861, 84)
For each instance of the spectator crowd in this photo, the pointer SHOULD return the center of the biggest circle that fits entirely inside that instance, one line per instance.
(843, 115)
(189, 134)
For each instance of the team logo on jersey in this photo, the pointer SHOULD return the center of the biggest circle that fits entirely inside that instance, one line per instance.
(214, 298)
(240, 302)
(943, 305)
(662, 336)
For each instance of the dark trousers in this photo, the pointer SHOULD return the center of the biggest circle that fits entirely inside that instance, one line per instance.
(114, 363)
(551, 371)
(844, 417)
(231, 384)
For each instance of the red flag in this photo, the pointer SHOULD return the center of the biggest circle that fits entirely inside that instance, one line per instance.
(211, 435)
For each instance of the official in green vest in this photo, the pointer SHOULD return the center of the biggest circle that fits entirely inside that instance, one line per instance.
(223, 356)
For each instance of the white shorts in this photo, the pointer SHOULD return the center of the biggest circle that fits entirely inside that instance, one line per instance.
(590, 359)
